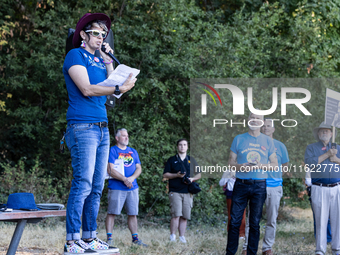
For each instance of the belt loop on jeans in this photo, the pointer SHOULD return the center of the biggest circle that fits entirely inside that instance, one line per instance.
(101, 124)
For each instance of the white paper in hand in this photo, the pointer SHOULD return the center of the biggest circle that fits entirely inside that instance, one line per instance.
(119, 76)
(119, 167)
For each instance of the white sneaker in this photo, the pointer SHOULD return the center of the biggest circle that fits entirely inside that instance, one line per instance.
(77, 247)
(101, 247)
(182, 239)
(172, 238)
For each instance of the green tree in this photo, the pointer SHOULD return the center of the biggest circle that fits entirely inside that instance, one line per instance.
(171, 42)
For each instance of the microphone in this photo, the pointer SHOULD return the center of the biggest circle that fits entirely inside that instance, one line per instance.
(110, 54)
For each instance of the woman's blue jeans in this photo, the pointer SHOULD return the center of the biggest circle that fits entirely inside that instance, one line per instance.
(89, 145)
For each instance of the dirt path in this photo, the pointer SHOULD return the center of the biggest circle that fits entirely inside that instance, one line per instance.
(299, 213)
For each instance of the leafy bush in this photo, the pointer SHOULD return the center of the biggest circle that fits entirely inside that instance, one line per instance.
(45, 189)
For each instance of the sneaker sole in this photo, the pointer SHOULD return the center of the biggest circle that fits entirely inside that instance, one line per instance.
(110, 251)
(72, 253)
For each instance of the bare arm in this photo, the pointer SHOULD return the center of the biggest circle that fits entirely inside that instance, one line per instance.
(136, 174)
(284, 170)
(109, 67)
(334, 158)
(331, 153)
(173, 176)
(273, 164)
(233, 161)
(114, 174)
(196, 177)
(127, 180)
(80, 77)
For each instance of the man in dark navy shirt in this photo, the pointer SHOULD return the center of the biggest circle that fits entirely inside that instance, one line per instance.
(177, 170)
(323, 162)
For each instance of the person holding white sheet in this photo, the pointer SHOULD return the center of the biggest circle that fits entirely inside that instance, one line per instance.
(123, 189)
(87, 134)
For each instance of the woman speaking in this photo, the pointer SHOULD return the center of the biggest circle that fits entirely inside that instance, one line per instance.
(87, 133)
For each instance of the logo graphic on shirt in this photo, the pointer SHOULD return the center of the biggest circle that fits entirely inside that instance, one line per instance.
(263, 148)
(127, 158)
(253, 157)
(323, 148)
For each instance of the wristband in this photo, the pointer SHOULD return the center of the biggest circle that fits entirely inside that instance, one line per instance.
(107, 63)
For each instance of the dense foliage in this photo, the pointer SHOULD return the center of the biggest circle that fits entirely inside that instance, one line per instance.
(171, 42)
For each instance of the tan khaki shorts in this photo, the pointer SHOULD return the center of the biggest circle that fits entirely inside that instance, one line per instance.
(181, 204)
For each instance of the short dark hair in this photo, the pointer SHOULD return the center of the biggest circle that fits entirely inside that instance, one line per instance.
(182, 139)
(101, 23)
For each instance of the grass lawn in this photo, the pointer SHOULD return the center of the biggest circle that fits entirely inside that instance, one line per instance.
(294, 235)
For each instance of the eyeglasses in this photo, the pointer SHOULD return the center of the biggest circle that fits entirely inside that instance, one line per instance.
(96, 33)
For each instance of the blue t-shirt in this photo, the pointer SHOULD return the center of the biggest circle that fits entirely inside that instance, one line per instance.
(326, 172)
(275, 177)
(251, 149)
(130, 158)
(84, 109)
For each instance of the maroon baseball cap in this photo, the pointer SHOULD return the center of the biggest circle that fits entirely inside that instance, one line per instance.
(88, 17)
